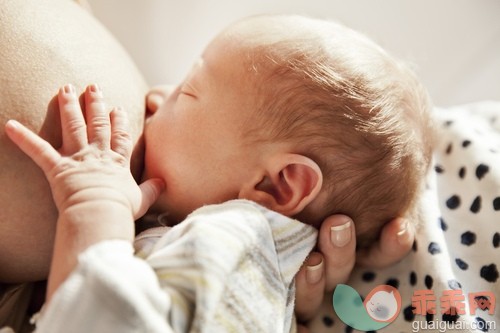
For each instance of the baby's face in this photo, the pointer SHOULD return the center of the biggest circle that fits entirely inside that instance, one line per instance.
(194, 141)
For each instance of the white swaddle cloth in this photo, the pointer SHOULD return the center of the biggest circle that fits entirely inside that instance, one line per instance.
(226, 268)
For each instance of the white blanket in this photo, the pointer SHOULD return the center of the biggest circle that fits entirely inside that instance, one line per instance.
(226, 268)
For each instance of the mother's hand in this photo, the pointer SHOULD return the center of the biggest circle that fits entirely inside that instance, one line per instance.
(337, 255)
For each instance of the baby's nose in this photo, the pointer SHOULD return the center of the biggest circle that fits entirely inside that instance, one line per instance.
(153, 102)
(157, 96)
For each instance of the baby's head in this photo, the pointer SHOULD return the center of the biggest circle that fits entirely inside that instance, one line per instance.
(304, 116)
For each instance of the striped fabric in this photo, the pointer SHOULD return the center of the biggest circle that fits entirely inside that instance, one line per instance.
(226, 268)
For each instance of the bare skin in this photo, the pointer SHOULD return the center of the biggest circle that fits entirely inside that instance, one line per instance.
(45, 45)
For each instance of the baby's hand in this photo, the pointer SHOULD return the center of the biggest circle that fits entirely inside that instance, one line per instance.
(93, 165)
(90, 178)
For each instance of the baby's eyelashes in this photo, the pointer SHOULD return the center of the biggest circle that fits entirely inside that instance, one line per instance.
(186, 89)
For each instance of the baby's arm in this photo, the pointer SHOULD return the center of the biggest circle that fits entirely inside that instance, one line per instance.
(94, 191)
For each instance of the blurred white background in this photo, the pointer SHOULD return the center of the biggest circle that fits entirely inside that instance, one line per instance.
(455, 44)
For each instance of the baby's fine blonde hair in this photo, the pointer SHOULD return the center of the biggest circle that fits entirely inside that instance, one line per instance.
(359, 113)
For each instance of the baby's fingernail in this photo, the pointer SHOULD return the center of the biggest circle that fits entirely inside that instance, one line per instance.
(340, 235)
(314, 273)
(95, 88)
(69, 89)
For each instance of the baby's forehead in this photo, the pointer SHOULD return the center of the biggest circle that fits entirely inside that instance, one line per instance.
(247, 63)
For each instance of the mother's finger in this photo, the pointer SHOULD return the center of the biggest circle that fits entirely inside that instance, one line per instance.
(310, 287)
(98, 123)
(395, 242)
(337, 243)
(74, 130)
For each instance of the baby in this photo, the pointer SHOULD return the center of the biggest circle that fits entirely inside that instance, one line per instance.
(304, 117)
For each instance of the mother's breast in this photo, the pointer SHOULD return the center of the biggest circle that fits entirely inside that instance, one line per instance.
(46, 44)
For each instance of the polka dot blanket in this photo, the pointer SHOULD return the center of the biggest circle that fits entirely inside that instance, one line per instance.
(450, 280)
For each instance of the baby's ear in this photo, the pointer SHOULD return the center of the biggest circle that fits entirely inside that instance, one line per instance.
(289, 183)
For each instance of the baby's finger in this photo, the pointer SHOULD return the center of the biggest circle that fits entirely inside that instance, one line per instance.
(98, 124)
(338, 246)
(121, 141)
(151, 190)
(74, 131)
(39, 150)
(394, 244)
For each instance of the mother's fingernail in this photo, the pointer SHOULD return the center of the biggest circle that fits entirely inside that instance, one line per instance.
(314, 273)
(340, 235)
(403, 233)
